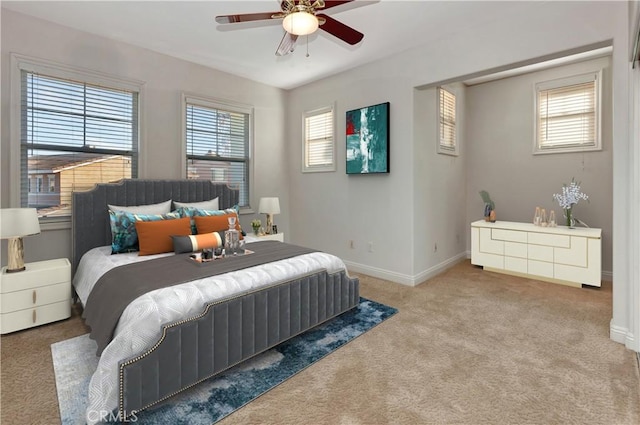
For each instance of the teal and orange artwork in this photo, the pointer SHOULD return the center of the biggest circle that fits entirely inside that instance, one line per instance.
(367, 132)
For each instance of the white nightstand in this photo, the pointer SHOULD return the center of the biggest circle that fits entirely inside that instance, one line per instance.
(38, 295)
(253, 238)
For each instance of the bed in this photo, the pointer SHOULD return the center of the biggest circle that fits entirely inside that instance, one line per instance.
(234, 317)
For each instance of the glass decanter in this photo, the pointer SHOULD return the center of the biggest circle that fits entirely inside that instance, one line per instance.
(231, 238)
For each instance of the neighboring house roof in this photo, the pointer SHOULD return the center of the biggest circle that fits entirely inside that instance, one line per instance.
(51, 164)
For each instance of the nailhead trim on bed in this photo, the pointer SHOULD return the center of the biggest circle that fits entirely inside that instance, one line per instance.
(261, 319)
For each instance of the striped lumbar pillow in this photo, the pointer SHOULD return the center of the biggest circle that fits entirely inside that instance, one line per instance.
(193, 243)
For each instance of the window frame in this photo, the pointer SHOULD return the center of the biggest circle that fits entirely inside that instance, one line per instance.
(214, 103)
(319, 168)
(595, 76)
(442, 148)
(53, 69)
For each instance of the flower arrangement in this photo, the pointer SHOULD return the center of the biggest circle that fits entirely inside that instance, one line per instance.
(256, 224)
(570, 196)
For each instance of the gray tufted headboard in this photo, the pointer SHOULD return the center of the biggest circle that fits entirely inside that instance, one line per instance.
(90, 219)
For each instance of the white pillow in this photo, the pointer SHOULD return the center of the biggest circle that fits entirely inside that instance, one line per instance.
(211, 204)
(151, 209)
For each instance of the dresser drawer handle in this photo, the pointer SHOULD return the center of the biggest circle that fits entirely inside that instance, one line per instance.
(34, 297)
(34, 316)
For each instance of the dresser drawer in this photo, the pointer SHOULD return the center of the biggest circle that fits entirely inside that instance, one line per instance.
(540, 253)
(509, 235)
(575, 255)
(19, 300)
(561, 241)
(540, 268)
(30, 317)
(489, 245)
(515, 264)
(514, 249)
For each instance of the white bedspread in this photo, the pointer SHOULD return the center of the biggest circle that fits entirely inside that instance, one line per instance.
(140, 324)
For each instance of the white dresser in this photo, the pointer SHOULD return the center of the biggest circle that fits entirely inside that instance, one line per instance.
(554, 254)
(38, 295)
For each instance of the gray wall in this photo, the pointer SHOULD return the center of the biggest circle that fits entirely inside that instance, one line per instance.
(165, 79)
(440, 225)
(501, 125)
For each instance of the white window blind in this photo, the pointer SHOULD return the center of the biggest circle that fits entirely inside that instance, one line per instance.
(217, 143)
(568, 114)
(447, 142)
(73, 135)
(319, 148)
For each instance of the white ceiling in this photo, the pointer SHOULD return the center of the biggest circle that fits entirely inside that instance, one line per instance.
(187, 30)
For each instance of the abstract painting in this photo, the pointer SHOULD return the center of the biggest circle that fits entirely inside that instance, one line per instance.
(368, 140)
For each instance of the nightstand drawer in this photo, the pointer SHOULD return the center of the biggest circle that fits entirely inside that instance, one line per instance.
(19, 300)
(40, 273)
(30, 317)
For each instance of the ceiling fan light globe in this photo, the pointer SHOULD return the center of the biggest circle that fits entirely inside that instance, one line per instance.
(300, 23)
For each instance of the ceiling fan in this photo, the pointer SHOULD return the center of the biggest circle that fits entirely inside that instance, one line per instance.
(300, 17)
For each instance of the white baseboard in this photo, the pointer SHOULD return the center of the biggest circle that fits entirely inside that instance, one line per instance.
(402, 278)
(438, 268)
(620, 334)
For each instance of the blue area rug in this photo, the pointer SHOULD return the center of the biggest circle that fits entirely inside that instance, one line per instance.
(74, 362)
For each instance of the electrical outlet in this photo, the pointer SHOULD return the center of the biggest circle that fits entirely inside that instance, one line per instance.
(370, 246)
(435, 247)
(352, 245)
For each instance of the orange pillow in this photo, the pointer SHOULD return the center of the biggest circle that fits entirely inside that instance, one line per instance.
(154, 237)
(215, 223)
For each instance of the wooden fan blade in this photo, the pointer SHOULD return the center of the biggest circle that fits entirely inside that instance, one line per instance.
(328, 3)
(287, 45)
(247, 17)
(340, 30)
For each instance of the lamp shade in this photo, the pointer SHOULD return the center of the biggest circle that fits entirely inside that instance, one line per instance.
(18, 222)
(269, 206)
(300, 23)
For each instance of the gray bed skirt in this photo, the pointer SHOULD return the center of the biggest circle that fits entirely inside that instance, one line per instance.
(229, 332)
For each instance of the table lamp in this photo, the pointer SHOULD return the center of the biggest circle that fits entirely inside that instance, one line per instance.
(14, 224)
(269, 206)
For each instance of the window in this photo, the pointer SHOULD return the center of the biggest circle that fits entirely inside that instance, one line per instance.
(73, 134)
(217, 138)
(447, 142)
(52, 182)
(568, 114)
(318, 152)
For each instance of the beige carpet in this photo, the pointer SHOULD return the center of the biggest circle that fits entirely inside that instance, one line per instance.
(467, 347)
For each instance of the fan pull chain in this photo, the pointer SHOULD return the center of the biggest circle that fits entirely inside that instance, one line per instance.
(307, 45)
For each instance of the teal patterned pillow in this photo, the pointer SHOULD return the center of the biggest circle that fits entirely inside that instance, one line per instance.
(123, 229)
(197, 212)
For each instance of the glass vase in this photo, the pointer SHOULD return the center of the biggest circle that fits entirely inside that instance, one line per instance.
(536, 217)
(552, 219)
(568, 215)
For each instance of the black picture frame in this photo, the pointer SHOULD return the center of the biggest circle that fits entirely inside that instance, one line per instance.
(367, 140)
